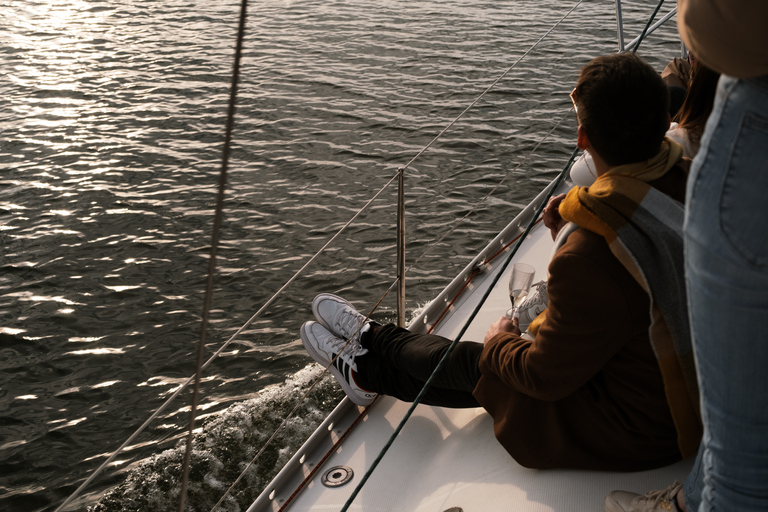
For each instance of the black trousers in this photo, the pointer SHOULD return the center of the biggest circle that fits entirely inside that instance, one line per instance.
(398, 363)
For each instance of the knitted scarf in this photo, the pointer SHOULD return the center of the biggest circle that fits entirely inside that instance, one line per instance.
(643, 228)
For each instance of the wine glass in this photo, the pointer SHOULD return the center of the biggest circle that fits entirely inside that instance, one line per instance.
(519, 284)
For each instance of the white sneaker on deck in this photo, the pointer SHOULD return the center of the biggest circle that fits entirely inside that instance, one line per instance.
(533, 305)
(338, 316)
(324, 347)
(652, 501)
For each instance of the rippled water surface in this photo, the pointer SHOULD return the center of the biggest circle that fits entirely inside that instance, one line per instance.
(112, 127)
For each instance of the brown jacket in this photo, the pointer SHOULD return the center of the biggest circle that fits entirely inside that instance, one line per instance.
(587, 392)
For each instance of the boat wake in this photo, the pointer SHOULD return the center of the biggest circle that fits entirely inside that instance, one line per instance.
(224, 446)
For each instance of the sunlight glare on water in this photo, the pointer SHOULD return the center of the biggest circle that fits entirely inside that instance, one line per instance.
(112, 128)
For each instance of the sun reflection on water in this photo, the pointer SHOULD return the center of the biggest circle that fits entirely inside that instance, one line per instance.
(56, 49)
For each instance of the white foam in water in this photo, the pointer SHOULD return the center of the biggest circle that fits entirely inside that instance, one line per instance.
(227, 443)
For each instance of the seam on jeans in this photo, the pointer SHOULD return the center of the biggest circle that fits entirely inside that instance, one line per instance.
(708, 493)
(704, 154)
(694, 476)
(749, 123)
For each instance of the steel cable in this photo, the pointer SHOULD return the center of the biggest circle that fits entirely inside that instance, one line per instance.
(217, 224)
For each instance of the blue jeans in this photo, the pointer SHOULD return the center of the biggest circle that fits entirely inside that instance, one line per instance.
(726, 255)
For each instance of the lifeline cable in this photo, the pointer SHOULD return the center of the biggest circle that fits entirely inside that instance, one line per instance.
(400, 171)
(440, 364)
(375, 307)
(217, 221)
(647, 25)
(269, 302)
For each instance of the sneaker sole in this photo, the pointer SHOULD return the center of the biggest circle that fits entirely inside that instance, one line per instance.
(322, 360)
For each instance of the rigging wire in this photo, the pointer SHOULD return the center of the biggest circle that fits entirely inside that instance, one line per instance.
(215, 236)
(455, 225)
(203, 366)
(375, 307)
(394, 283)
(442, 361)
(471, 105)
(647, 26)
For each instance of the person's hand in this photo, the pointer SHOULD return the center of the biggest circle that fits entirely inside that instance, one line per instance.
(503, 324)
(551, 215)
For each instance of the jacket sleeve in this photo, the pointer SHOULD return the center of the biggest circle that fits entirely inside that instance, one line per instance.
(588, 320)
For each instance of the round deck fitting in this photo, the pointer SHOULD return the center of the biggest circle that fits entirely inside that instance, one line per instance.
(337, 476)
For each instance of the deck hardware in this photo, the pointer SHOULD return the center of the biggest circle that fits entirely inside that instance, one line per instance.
(477, 267)
(337, 476)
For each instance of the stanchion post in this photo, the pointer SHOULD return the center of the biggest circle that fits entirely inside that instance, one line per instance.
(401, 249)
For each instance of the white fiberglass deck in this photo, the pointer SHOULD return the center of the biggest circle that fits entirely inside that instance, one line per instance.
(446, 458)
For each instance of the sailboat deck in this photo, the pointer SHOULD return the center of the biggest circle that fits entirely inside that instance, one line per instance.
(446, 459)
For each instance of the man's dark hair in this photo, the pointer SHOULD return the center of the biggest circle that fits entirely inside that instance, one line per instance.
(623, 107)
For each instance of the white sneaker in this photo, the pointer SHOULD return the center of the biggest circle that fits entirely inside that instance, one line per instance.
(652, 501)
(338, 316)
(324, 347)
(533, 305)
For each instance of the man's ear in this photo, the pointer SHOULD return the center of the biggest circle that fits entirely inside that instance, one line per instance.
(582, 141)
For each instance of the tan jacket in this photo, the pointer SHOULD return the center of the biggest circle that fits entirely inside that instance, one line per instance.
(729, 36)
(587, 392)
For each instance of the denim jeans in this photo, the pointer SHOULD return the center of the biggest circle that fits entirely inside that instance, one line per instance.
(726, 255)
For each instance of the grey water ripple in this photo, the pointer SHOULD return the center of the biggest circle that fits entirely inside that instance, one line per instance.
(110, 147)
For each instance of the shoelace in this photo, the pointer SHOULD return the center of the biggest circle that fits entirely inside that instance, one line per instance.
(340, 346)
(538, 286)
(348, 323)
(668, 495)
(533, 305)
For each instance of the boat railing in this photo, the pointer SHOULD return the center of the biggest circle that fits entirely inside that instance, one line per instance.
(650, 27)
(447, 299)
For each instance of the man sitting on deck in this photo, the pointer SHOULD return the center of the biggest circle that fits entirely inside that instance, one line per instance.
(608, 381)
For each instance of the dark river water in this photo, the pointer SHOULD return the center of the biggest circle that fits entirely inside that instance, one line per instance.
(111, 134)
